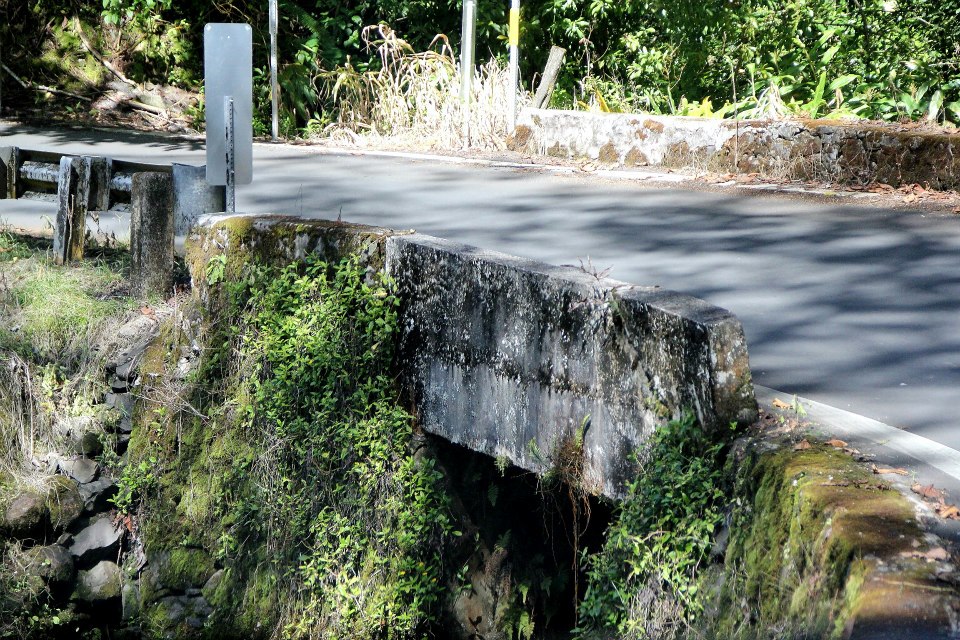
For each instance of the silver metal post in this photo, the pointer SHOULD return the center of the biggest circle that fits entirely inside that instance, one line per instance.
(514, 40)
(231, 154)
(274, 86)
(467, 40)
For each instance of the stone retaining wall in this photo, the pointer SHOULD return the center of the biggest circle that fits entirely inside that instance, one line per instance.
(516, 358)
(849, 152)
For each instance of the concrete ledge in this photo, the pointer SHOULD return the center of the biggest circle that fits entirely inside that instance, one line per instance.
(512, 357)
(850, 152)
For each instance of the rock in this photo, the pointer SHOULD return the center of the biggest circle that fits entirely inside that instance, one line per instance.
(97, 541)
(88, 444)
(52, 563)
(122, 402)
(63, 502)
(183, 568)
(99, 585)
(210, 586)
(83, 433)
(64, 540)
(184, 610)
(26, 515)
(97, 494)
(83, 470)
(124, 365)
(130, 599)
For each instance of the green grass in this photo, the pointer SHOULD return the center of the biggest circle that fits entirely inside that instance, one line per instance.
(57, 325)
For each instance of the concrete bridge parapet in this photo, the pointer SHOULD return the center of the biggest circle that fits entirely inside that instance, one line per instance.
(515, 358)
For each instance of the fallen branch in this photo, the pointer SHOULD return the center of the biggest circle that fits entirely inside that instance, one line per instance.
(26, 84)
(89, 47)
(147, 107)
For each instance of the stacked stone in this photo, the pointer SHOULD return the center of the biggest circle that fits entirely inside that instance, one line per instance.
(71, 539)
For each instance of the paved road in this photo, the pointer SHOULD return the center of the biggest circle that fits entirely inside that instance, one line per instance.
(855, 307)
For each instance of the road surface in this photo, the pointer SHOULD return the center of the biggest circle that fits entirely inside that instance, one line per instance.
(854, 307)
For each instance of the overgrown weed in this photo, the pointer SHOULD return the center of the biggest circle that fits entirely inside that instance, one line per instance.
(413, 99)
(644, 582)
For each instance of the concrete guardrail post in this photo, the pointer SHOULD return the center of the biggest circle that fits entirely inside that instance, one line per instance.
(151, 234)
(73, 194)
(8, 171)
(99, 193)
(194, 197)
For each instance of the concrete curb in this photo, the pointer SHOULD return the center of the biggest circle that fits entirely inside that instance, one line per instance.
(927, 461)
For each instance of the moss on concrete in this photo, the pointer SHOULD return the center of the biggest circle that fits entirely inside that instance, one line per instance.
(814, 528)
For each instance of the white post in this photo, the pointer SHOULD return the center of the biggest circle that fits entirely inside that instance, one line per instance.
(231, 155)
(467, 44)
(274, 87)
(514, 41)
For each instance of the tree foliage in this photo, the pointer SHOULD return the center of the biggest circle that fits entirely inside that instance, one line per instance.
(873, 58)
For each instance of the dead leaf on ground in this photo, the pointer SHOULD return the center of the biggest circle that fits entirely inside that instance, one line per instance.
(936, 553)
(910, 198)
(928, 491)
(780, 404)
(802, 445)
(839, 444)
(147, 311)
(948, 512)
(896, 470)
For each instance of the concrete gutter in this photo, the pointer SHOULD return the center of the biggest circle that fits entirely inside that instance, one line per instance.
(926, 461)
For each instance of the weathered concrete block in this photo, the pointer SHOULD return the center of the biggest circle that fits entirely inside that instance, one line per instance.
(512, 357)
(73, 189)
(98, 197)
(8, 172)
(806, 149)
(151, 234)
(194, 197)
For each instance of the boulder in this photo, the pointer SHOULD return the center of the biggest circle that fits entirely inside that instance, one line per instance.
(99, 540)
(83, 470)
(99, 585)
(64, 502)
(52, 563)
(183, 611)
(26, 516)
(97, 494)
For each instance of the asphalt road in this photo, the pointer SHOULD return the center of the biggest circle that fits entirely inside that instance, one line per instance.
(854, 307)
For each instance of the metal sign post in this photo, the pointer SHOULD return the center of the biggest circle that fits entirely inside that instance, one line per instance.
(274, 86)
(514, 41)
(231, 159)
(467, 39)
(228, 77)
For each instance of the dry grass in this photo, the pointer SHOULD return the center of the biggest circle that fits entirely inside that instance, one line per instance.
(414, 98)
(56, 325)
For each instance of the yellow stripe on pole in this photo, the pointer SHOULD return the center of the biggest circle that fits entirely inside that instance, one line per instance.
(514, 35)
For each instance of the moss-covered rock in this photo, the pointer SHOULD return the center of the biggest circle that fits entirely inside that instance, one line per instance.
(814, 528)
(63, 501)
(26, 515)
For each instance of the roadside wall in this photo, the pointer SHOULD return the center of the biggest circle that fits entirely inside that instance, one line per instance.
(847, 152)
(516, 358)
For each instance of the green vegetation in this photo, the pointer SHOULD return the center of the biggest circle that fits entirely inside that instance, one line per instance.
(55, 325)
(644, 582)
(880, 59)
(298, 476)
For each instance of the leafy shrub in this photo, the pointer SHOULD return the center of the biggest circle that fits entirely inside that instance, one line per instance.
(643, 583)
